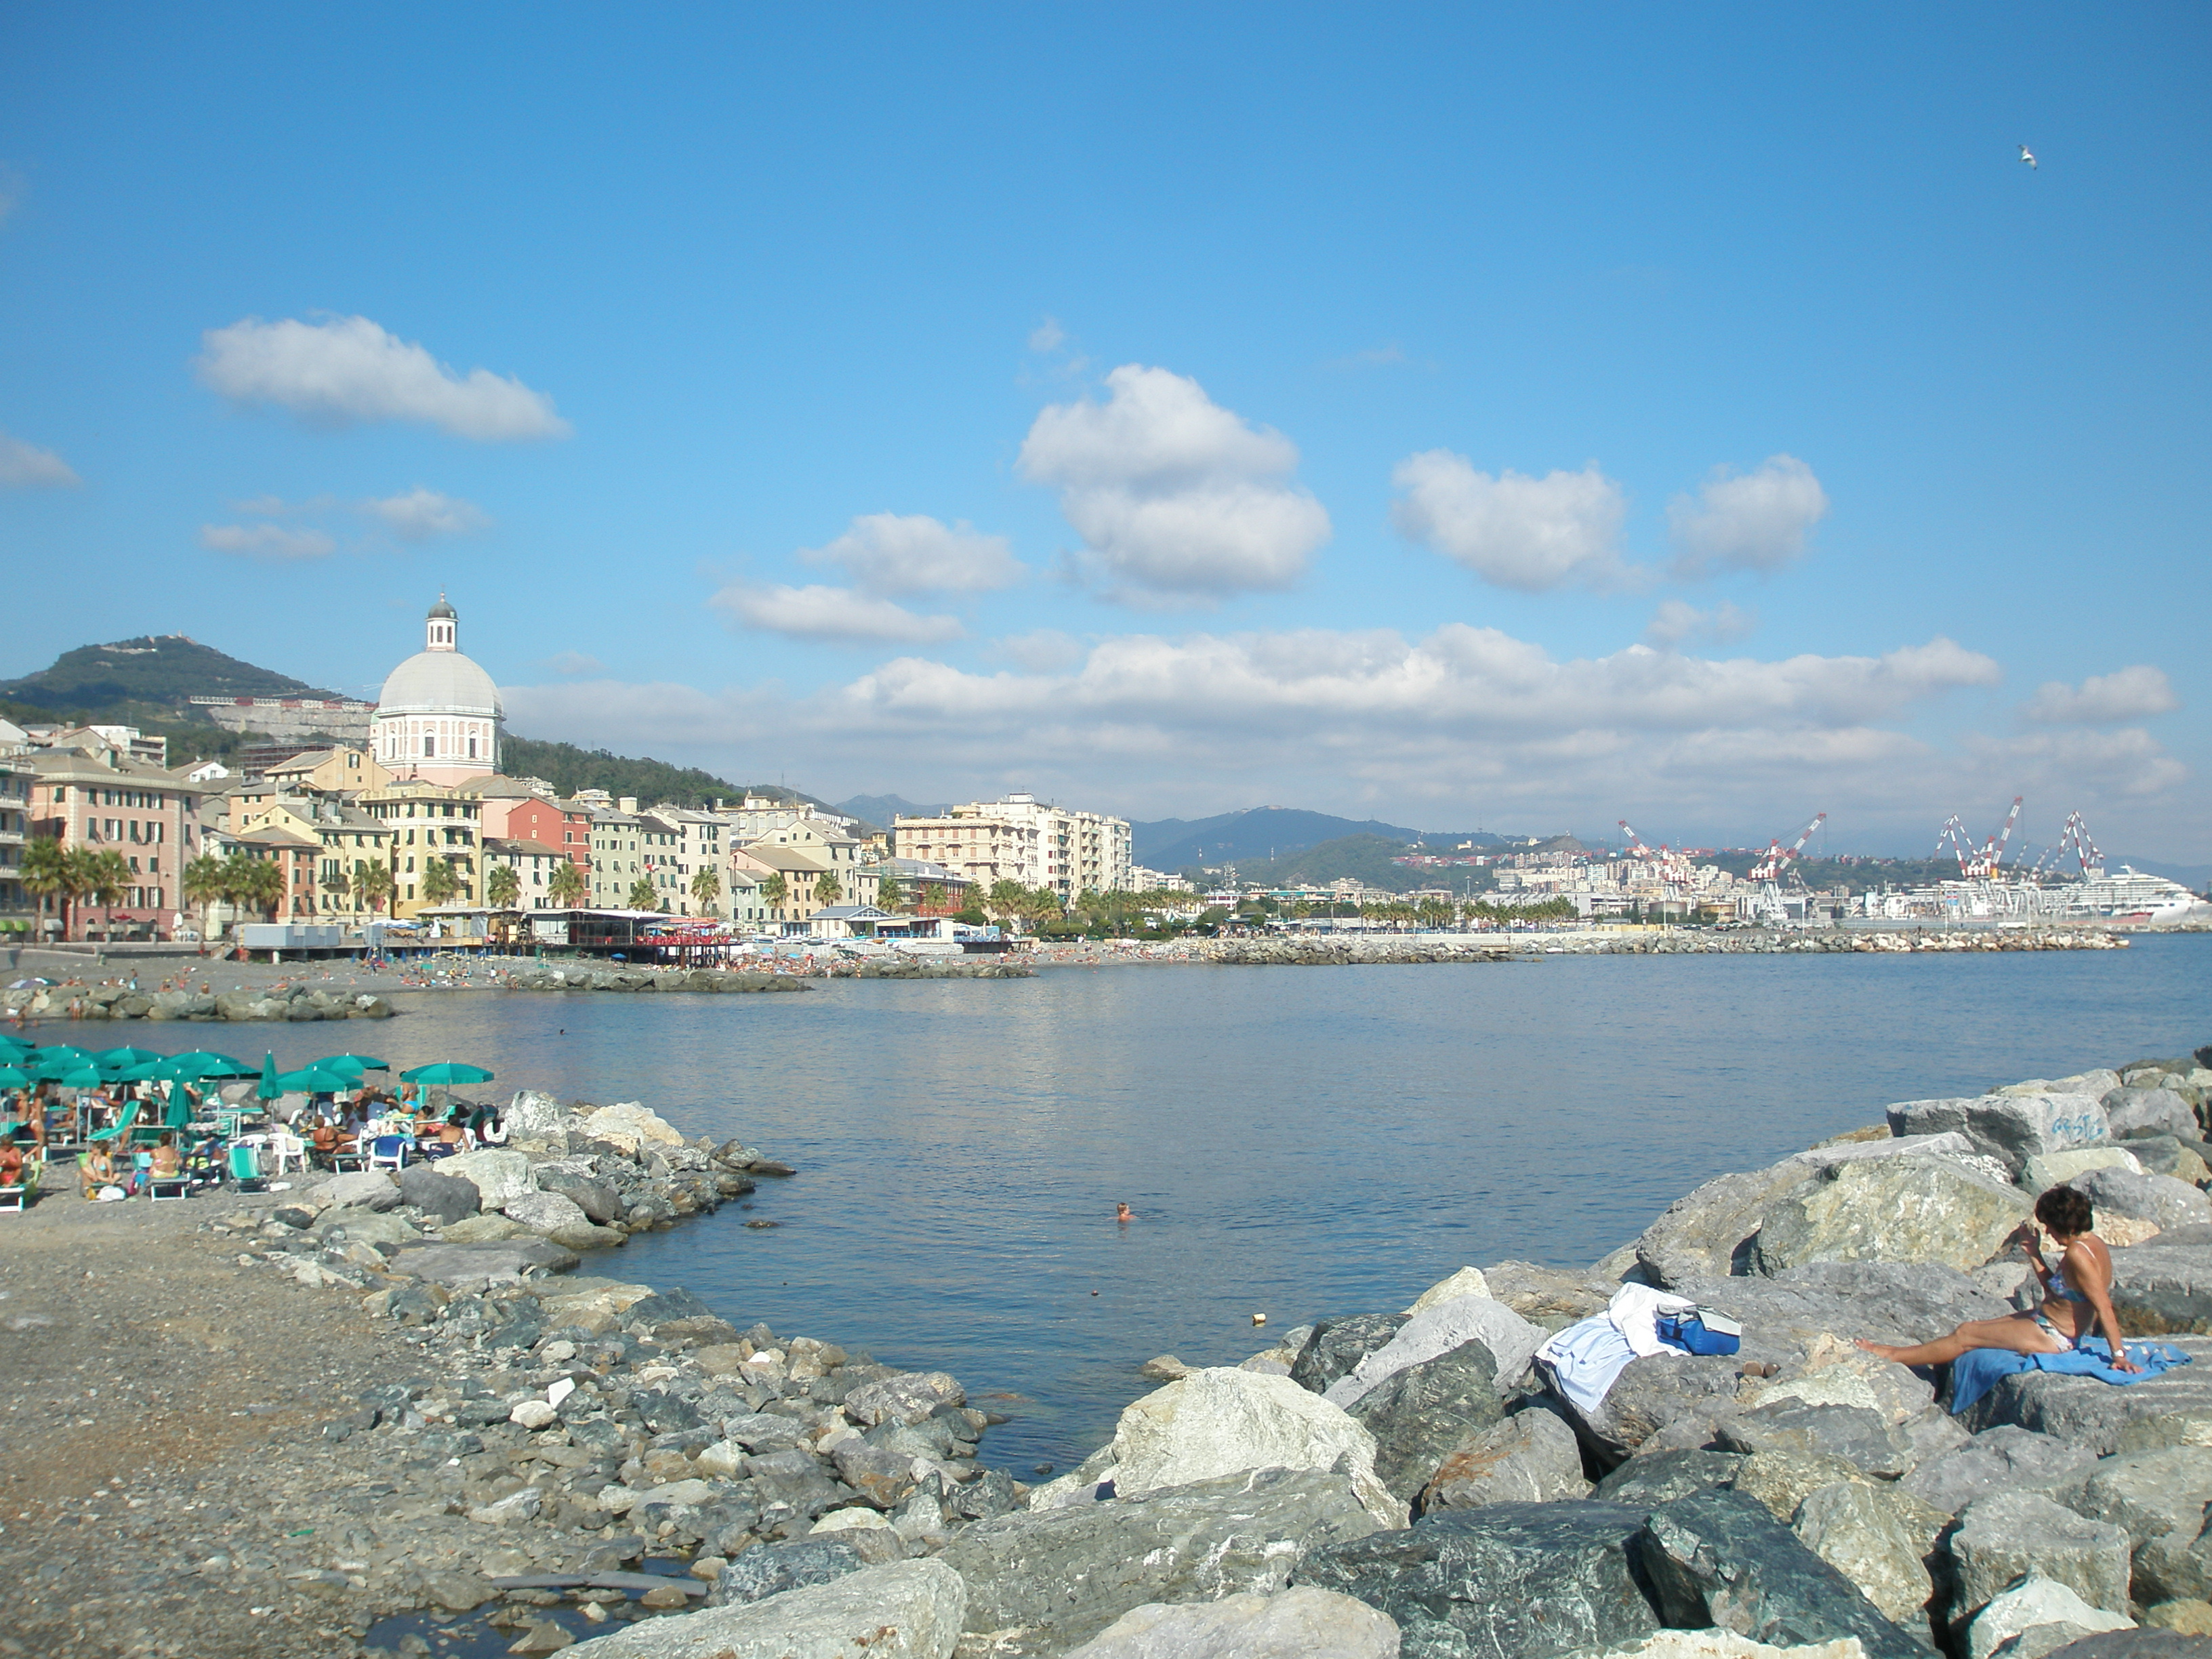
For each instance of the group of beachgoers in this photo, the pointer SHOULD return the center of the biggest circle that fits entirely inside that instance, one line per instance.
(338, 1126)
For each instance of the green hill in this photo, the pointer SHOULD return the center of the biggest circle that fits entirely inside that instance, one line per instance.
(130, 681)
(653, 782)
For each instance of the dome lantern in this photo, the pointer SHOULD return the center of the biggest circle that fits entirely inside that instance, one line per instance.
(444, 625)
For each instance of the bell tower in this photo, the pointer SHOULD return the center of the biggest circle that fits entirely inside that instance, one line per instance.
(438, 631)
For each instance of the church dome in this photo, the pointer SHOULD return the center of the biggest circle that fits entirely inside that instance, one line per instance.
(439, 682)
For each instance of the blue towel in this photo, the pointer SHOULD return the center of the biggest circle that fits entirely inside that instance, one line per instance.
(1978, 1370)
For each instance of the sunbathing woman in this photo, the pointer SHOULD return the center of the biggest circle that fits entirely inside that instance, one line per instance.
(2077, 1295)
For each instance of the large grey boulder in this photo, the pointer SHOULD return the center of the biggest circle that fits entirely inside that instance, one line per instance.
(2172, 1155)
(532, 1115)
(436, 1192)
(1419, 1415)
(1335, 1345)
(1899, 1209)
(463, 1266)
(1662, 1477)
(2133, 1112)
(2164, 1285)
(1438, 1329)
(2098, 1081)
(1221, 1421)
(2147, 1494)
(2173, 1409)
(1653, 1397)
(1864, 1533)
(2001, 1459)
(2156, 1198)
(1529, 1458)
(596, 1199)
(904, 1610)
(1718, 1557)
(1786, 1316)
(2013, 1127)
(769, 1570)
(1783, 1479)
(909, 1397)
(1550, 1298)
(1035, 1579)
(364, 1189)
(545, 1213)
(2040, 1174)
(1852, 1434)
(2009, 1534)
(1706, 1234)
(2136, 1644)
(1512, 1581)
(2176, 1567)
(498, 1177)
(2030, 1604)
(1300, 1622)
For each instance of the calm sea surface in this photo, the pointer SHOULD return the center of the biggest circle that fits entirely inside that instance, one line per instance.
(1298, 1142)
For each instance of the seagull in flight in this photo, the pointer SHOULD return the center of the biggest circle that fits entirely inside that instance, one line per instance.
(2028, 157)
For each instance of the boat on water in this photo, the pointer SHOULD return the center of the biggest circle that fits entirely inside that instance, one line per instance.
(2130, 895)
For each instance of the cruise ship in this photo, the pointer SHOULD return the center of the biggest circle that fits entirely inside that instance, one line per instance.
(2129, 896)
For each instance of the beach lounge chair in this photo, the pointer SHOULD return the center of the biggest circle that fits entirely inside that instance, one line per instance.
(19, 1196)
(120, 1128)
(245, 1165)
(387, 1153)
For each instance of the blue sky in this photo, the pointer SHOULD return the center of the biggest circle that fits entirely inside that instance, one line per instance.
(1522, 418)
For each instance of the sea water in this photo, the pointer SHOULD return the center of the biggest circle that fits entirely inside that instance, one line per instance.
(1294, 1142)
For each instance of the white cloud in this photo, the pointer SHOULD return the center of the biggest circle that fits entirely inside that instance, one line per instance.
(575, 663)
(1756, 522)
(1047, 335)
(1175, 496)
(2129, 694)
(266, 541)
(1676, 620)
(913, 553)
(1487, 729)
(27, 466)
(1041, 651)
(348, 369)
(421, 514)
(836, 614)
(1533, 534)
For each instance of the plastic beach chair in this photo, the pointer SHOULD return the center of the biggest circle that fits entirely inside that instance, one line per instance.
(121, 1126)
(387, 1153)
(244, 1163)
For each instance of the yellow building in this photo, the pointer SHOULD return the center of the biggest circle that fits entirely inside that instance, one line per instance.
(429, 824)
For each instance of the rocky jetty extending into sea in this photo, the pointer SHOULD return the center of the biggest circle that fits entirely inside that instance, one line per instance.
(119, 1001)
(571, 1453)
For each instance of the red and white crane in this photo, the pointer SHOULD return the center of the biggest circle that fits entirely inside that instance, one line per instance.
(1777, 857)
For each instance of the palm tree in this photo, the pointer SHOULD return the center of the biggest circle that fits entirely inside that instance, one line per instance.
(566, 889)
(889, 894)
(438, 883)
(252, 883)
(929, 896)
(827, 888)
(107, 878)
(46, 873)
(375, 882)
(1005, 897)
(203, 885)
(502, 887)
(642, 895)
(706, 888)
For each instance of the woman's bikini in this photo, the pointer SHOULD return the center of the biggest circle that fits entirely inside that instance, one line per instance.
(2061, 1290)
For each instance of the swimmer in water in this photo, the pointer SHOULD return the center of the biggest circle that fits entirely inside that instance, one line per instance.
(1122, 1213)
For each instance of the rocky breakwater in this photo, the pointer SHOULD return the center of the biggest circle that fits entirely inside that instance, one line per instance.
(118, 1001)
(1416, 1483)
(711, 980)
(1840, 941)
(1330, 952)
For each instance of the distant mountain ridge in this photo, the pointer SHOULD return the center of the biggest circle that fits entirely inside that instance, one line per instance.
(877, 811)
(1268, 832)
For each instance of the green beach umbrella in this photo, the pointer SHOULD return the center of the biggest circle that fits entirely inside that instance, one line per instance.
(15, 1077)
(445, 1073)
(353, 1063)
(314, 1080)
(202, 1063)
(126, 1057)
(83, 1077)
(180, 1108)
(62, 1051)
(14, 1047)
(149, 1071)
(58, 1068)
(269, 1088)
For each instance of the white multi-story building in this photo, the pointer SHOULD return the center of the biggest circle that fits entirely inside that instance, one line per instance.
(1023, 839)
(758, 815)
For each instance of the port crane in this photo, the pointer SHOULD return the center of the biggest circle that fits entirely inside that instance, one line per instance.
(1671, 868)
(2074, 835)
(1768, 871)
(1977, 863)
